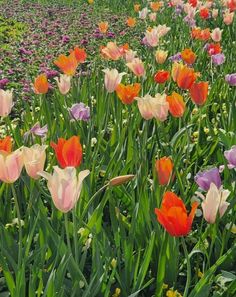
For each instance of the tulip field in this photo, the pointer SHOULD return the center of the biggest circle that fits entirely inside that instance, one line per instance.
(117, 148)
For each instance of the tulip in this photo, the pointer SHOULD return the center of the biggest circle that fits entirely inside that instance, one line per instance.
(205, 178)
(80, 54)
(216, 34)
(173, 215)
(80, 111)
(67, 64)
(152, 37)
(68, 152)
(185, 77)
(136, 65)
(231, 79)
(11, 165)
(103, 27)
(215, 13)
(155, 6)
(39, 131)
(152, 17)
(218, 59)
(228, 17)
(63, 83)
(176, 105)
(6, 144)
(214, 202)
(164, 169)
(161, 76)
(112, 51)
(41, 84)
(143, 13)
(34, 159)
(5, 102)
(112, 79)
(213, 49)
(137, 7)
(128, 93)
(129, 55)
(161, 56)
(156, 107)
(204, 13)
(64, 186)
(199, 92)
(230, 155)
(188, 56)
(131, 22)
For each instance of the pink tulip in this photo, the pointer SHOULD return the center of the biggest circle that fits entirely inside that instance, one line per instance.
(34, 159)
(214, 202)
(151, 37)
(112, 51)
(153, 107)
(215, 13)
(152, 16)
(112, 79)
(65, 186)
(137, 67)
(143, 13)
(228, 17)
(63, 83)
(5, 102)
(216, 34)
(11, 165)
(130, 55)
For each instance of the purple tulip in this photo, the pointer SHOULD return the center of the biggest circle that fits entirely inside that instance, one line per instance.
(205, 178)
(176, 58)
(80, 111)
(230, 155)
(231, 79)
(218, 59)
(39, 131)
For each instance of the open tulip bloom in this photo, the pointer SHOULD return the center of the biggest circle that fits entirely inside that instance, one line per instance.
(65, 186)
(173, 215)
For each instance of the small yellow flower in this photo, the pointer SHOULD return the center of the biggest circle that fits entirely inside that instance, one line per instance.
(113, 263)
(117, 292)
(199, 273)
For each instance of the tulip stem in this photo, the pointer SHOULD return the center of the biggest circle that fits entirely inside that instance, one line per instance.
(188, 267)
(67, 233)
(161, 267)
(19, 223)
(75, 234)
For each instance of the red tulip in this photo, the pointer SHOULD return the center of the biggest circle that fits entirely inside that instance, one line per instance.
(199, 92)
(161, 76)
(69, 152)
(173, 215)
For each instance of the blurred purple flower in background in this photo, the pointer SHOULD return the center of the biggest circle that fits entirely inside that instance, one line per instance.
(205, 178)
(80, 111)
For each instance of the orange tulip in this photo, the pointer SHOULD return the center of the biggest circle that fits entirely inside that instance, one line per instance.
(176, 105)
(80, 54)
(173, 215)
(68, 152)
(6, 144)
(103, 27)
(188, 56)
(164, 168)
(131, 22)
(128, 93)
(41, 84)
(185, 77)
(137, 7)
(67, 64)
(199, 92)
(155, 6)
(161, 76)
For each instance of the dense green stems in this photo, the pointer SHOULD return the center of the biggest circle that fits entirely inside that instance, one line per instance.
(161, 267)
(75, 234)
(67, 233)
(198, 140)
(20, 226)
(188, 267)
